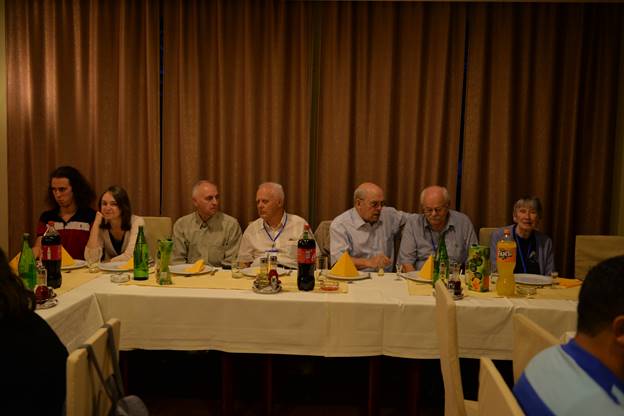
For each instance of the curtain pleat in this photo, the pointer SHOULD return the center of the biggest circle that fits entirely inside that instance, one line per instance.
(390, 100)
(236, 102)
(82, 90)
(540, 118)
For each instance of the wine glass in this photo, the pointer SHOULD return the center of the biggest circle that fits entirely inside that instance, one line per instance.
(93, 257)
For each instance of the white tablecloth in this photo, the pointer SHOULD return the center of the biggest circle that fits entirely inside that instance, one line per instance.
(376, 317)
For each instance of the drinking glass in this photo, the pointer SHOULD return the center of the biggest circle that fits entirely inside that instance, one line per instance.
(236, 271)
(399, 270)
(93, 257)
(321, 267)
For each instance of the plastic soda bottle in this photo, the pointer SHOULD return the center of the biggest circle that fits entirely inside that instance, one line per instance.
(141, 257)
(306, 260)
(27, 267)
(441, 262)
(505, 263)
(51, 255)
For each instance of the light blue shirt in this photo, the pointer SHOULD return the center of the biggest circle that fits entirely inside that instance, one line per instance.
(349, 232)
(567, 380)
(419, 240)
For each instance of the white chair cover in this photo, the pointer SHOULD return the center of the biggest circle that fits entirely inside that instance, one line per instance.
(495, 398)
(592, 249)
(156, 228)
(528, 339)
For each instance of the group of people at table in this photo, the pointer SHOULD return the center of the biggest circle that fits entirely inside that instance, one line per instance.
(367, 231)
(583, 376)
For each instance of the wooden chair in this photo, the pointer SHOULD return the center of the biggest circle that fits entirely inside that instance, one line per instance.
(446, 329)
(485, 235)
(156, 228)
(528, 339)
(322, 237)
(495, 398)
(592, 249)
(85, 394)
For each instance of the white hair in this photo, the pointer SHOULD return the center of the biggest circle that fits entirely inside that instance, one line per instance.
(277, 189)
(445, 194)
(198, 185)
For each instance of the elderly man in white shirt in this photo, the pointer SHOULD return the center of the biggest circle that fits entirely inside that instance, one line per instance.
(275, 230)
(367, 231)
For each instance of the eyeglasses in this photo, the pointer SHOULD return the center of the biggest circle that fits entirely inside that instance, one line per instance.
(437, 210)
(375, 204)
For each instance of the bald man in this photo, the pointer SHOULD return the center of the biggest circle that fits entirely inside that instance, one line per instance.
(367, 230)
(275, 230)
(422, 233)
(207, 233)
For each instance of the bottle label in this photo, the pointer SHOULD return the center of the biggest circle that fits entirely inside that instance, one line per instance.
(51, 252)
(506, 255)
(306, 255)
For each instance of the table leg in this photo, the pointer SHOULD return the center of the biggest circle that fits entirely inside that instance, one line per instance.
(413, 385)
(226, 384)
(373, 385)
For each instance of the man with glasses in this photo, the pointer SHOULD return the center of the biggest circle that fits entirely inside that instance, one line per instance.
(422, 233)
(367, 230)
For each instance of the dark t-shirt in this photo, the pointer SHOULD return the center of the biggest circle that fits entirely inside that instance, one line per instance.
(32, 367)
(74, 233)
(526, 258)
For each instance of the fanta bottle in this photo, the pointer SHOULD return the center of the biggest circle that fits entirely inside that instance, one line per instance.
(505, 263)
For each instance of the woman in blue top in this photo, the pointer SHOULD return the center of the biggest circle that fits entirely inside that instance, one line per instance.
(535, 254)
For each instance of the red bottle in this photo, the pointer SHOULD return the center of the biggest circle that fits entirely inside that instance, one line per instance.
(306, 256)
(51, 255)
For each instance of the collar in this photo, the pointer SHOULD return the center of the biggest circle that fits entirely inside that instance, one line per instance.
(204, 224)
(281, 224)
(450, 223)
(600, 373)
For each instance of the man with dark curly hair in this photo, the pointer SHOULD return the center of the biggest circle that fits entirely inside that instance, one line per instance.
(70, 196)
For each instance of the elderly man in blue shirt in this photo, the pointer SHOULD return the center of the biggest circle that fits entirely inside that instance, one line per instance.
(422, 233)
(367, 230)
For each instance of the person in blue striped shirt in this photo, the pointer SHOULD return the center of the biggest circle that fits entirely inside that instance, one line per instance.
(586, 375)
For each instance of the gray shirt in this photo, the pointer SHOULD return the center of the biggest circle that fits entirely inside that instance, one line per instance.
(545, 256)
(419, 240)
(216, 240)
(349, 232)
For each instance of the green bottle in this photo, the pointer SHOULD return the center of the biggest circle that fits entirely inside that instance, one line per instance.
(27, 268)
(141, 257)
(441, 262)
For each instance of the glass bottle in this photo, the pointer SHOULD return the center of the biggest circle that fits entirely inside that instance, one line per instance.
(441, 262)
(27, 267)
(141, 257)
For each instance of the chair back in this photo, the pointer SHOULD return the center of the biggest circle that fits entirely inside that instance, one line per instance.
(528, 339)
(592, 249)
(446, 329)
(495, 398)
(485, 235)
(322, 237)
(156, 228)
(85, 394)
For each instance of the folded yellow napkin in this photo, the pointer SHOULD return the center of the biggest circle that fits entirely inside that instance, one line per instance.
(127, 265)
(14, 263)
(426, 272)
(66, 259)
(344, 267)
(563, 282)
(196, 267)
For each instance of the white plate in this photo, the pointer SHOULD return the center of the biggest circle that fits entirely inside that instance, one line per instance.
(360, 276)
(253, 271)
(415, 276)
(114, 266)
(181, 269)
(77, 264)
(532, 279)
(50, 303)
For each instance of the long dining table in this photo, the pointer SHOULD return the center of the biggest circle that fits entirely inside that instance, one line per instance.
(376, 316)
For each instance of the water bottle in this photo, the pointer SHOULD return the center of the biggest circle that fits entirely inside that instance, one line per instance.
(141, 257)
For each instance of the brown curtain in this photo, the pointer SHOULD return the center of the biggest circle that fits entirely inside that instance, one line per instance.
(82, 90)
(390, 89)
(236, 102)
(540, 118)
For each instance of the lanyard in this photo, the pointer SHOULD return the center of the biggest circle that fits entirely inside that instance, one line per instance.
(433, 244)
(520, 249)
(274, 239)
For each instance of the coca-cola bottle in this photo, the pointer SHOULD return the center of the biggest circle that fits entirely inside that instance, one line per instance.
(51, 255)
(306, 256)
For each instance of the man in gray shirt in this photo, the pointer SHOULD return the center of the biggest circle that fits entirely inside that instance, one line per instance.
(367, 230)
(206, 233)
(422, 233)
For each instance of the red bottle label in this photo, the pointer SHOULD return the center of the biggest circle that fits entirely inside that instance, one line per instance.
(306, 255)
(51, 252)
